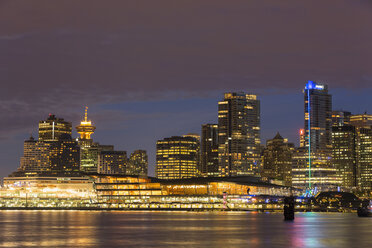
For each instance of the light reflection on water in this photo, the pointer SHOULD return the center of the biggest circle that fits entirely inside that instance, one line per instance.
(181, 229)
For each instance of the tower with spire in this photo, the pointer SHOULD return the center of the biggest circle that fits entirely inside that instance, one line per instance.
(85, 129)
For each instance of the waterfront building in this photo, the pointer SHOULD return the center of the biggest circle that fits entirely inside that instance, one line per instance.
(47, 192)
(52, 128)
(209, 150)
(112, 162)
(277, 160)
(177, 157)
(138, 163)
(136, 192)
(239, 134)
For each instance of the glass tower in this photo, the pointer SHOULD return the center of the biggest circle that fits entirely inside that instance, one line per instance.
(239, 134)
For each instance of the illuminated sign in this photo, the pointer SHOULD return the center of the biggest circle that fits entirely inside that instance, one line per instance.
(312, 85)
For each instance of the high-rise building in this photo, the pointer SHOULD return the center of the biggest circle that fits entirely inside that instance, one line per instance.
(138, 163)
(239, 134)
(209, 150)
(52, 128)
(344, 155)
(312, 164)
(65, 155)
(352, 153)
(277, 160)
(364, 164)
(35, 157)
(177, 157)
(318, 116)
(340, 118)
(112, 162)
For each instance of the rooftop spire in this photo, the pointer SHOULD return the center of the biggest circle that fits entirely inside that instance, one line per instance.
(86, 114)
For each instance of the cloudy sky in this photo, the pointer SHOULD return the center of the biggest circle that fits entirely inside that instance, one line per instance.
(152, 69)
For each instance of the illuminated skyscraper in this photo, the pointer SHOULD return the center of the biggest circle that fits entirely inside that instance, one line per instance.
(318, 116)
(52, 128)
(239, 134)
(177, 157)
(277, 160)
(138, 163)
(312, 164)
(352, 152)
(209, 150)
(344, 155)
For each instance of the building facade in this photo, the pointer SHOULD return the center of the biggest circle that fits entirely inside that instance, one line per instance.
(312, 164)
(344, 155)
(138, 163)
(177, 157)
(277, 160)
(52, 128)
(239, 134)
(209, 150)
(112, 162)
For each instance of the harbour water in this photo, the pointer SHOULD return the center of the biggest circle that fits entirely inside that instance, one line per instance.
(181, 229)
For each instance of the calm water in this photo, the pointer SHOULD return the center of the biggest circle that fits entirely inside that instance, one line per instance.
(181, 229)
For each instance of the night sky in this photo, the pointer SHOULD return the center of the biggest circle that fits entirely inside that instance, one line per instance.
(153, 69)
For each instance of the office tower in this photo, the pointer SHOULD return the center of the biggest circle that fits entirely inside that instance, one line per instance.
(112, 162)
(340, 118)
(239, 134)
(209, 150)
(177, 157)
(277, 160)
(35, 156)
(52, 128)
(64, 155)
(318, 116)
(312, 165)
(344, 155)
(138, 163)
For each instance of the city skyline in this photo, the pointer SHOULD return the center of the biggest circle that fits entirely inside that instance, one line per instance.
(293, 134)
